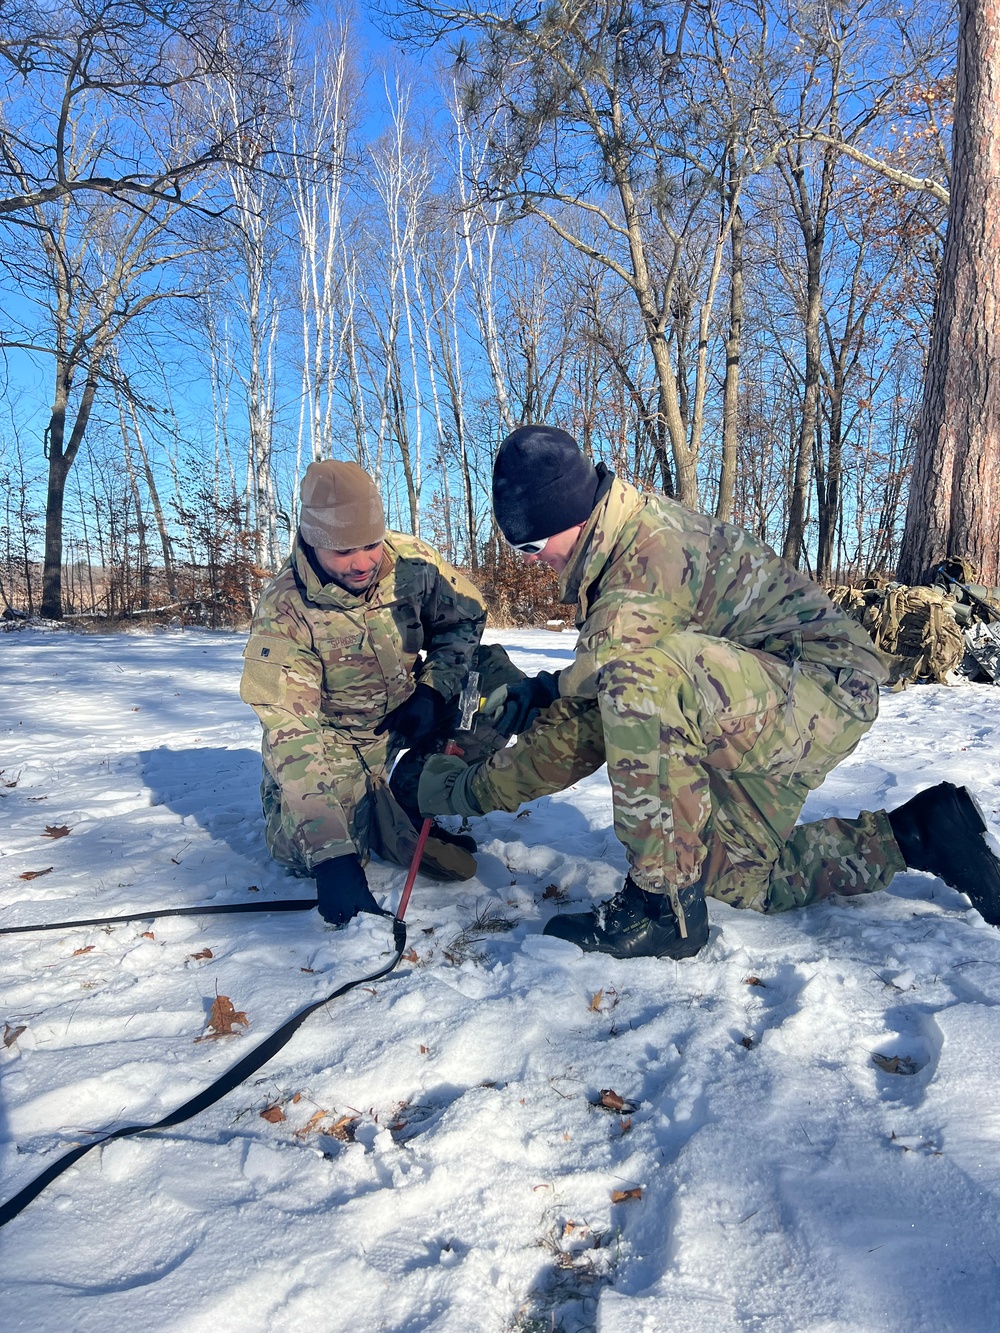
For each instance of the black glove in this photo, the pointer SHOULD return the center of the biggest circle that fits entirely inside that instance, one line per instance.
(418, 719)
(511, 709)
(342, 890)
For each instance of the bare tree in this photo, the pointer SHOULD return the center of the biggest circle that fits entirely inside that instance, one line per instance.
(126, 67)
(104, 142)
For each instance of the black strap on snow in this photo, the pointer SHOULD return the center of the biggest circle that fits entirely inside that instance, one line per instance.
(240, 1071)
(213, 909)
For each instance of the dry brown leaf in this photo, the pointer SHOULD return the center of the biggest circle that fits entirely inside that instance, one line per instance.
(223, 1019)
(410, 956)
(296, 1099)
(205, 953)
(10, 1035)
(312, 1124)
(424, 1050)
(747, 1042)
(87, 948)
(273, 1114)
(554, 892)
(344, 1129)
(307, 969)
(623, 1196)
(34, 874)
(148, 935)
(753, 981)
(595, 1003)
(610, 1100)
(252, 888)
(55, 831)
(895, 1064)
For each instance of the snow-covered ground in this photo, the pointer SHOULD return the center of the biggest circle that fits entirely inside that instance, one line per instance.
(810, 1141)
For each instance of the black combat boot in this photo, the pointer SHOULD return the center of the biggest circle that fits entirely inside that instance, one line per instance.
(941, 831)
(634, 924)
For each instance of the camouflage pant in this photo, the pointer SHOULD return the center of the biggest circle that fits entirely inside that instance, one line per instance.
(362, 811)
(711, 751)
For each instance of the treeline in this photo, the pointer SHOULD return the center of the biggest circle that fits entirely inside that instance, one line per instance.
(705, 239)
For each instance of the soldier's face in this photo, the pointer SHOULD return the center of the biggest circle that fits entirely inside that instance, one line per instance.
(355, 569)
(557, 551)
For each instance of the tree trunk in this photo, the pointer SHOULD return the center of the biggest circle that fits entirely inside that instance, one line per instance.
(731, 384)
(59, 465)
(797, 506)
(954, 502)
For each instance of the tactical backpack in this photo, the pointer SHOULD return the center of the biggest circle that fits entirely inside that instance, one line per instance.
(915, 627)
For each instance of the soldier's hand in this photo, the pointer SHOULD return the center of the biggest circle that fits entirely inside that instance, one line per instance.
(342, 890)
(511, 709)
(418, 719)
(445, 787)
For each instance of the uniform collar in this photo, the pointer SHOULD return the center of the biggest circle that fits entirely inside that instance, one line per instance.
(596, 546)
(324, 592)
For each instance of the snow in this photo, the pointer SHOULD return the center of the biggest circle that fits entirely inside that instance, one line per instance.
(789, 1182)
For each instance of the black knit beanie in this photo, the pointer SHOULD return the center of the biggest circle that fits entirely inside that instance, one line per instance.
(543, 483)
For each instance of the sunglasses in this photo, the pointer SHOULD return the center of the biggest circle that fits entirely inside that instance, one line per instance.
(529, 548)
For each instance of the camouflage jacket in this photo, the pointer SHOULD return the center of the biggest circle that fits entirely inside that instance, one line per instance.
(646, 567)
(323, 666)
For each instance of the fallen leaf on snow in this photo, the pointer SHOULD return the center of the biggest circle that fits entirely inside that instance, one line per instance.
(344, 1129)
(410, 956)
(312, 1124)
(553, 891)
(753, 981)
(623, 1196)
(223, 1018)
(34, 874)
(595, 1003)
(610, 1100)
(205, 953)
(10, 1035)
(148, 935)
(273, 1114)
(55, 831)
(895, 1064)
(87, 948)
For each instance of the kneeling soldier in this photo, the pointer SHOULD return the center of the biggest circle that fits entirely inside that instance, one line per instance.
(358, 650)
(721, 686)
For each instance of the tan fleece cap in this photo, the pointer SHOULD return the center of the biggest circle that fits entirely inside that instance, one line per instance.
(341, 507)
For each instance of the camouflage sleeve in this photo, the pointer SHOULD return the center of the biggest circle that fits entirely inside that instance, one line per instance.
(622, 623)
(282, 678)
(453, 617)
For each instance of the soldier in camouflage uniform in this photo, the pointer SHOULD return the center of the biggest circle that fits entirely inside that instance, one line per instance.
(359, 648)
(720, 686)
